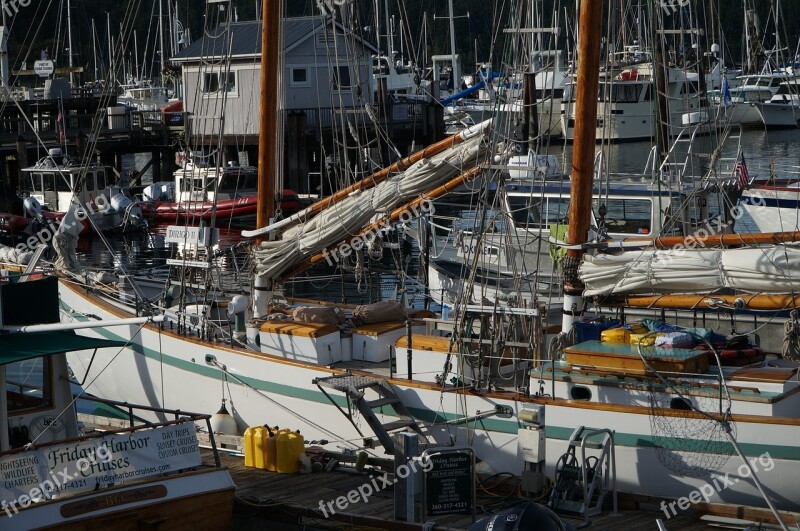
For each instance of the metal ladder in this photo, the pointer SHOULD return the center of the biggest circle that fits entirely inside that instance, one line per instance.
(582, 482)
(355, 387)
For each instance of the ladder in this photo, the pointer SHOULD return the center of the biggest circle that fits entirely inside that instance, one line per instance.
(582, 482)
(355, 387)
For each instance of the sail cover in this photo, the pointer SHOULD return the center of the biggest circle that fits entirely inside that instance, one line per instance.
(349, 216)
(768, 269)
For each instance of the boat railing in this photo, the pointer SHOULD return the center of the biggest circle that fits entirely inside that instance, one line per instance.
(135, 424)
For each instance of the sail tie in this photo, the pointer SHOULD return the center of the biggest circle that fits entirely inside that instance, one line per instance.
(791, 337)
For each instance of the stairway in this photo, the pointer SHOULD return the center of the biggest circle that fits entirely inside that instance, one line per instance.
(355, 388)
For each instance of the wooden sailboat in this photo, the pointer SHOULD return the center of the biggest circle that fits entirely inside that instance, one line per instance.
(480, 389)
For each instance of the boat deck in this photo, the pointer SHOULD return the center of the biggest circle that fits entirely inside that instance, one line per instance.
(293, 502)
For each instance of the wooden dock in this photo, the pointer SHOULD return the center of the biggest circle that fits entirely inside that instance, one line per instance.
(293, 502)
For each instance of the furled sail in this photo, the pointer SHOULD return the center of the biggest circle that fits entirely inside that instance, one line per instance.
(351, 214)
(767, 269)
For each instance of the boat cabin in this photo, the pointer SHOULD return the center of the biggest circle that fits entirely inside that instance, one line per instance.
(55, 179)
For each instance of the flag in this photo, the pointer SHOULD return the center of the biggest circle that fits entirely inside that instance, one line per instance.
(61, 135)
(726, 92)
(742, 175)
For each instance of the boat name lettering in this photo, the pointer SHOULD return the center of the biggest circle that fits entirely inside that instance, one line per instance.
(18, 463)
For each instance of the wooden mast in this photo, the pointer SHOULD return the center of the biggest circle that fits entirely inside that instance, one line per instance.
(268, 141)
(580, 205)
(270, 137)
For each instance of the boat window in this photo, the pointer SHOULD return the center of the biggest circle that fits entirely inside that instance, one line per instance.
(680, 403)
(89, 187)
(101, 180)
(341, 77)
(238, 182)
(579, 392)
(538, 212)
(624, 93)
(34, 182)
(630, 216)
(54, 182)
(29, 384)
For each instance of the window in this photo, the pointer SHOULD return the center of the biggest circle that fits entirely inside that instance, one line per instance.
(29, 384)
(680, 403)
(214, 82)
(89, 182)
(341, 77)
(579, 392)
(54, 182)
(299, 77)
(101, 180)
(538, 212)
(629, 216)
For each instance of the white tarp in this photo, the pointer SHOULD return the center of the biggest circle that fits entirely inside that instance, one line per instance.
(768, 269)
(52, 471)
(350, 215)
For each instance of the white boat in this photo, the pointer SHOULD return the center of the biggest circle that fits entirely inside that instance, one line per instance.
(742, 109)
(626, 110)
(773, 206)
(782, 110)
(104, 203)
(489, 385)
(52, 475)
(143, 96)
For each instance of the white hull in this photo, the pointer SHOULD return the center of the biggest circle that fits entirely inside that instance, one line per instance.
(773, 209)
(166, 370)
(779, 114)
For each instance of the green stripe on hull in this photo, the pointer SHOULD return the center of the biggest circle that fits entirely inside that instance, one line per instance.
(647, 441)
(426, 415)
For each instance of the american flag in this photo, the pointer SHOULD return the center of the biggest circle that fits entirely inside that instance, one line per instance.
(742, 175)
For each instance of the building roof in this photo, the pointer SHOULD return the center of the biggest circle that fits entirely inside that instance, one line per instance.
(245, 39)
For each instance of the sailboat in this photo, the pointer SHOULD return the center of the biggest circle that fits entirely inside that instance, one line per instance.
(488, 384)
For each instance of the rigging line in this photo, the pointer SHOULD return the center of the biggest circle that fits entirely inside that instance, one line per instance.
(83, 391)
(223, 369)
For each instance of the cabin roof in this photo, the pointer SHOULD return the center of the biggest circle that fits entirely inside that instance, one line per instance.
(18, 347)
(246, 39)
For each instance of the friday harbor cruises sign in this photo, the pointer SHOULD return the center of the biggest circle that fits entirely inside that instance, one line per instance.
(55, 471)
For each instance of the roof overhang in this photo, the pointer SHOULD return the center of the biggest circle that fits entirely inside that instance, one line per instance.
(22, 346)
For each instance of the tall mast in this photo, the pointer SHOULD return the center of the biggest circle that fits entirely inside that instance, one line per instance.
(268, 136)
(580, 204)
(456, 71)
(161, 36)
(136, 56)
(69, 40)
(112, 77)
(94, 47)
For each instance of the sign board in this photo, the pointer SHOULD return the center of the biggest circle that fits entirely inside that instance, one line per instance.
(44, 68)
(449, 482)
(95, 463)
(192, 235)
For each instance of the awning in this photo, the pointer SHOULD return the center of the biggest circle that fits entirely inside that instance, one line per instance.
(17, 347)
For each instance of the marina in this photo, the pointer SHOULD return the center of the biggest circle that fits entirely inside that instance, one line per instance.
(303, 269)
